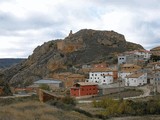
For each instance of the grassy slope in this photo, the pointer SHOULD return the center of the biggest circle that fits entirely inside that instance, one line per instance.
(35, 110)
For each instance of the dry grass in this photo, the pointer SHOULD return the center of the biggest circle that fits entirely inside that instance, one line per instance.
(151, 117)
(34, 110)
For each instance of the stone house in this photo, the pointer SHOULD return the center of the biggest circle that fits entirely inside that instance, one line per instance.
(69, 78)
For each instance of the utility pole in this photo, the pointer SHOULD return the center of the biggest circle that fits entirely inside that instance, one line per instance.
(119, 93)
(119, 88)
(155, 82)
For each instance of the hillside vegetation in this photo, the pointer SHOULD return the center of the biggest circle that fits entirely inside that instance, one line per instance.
(32, 109)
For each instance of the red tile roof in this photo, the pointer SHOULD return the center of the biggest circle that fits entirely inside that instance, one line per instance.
(135, 75)
(86, 83)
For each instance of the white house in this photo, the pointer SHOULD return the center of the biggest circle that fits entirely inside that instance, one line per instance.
(146, 54)
(155, 65)
(127, 69)
(136, 79)
(138, 57)
(102, 76)
(156, 75)
(121, 59)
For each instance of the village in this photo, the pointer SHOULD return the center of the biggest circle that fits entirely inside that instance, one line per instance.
(134, 70)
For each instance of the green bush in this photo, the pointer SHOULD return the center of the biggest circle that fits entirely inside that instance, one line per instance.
(127, 107)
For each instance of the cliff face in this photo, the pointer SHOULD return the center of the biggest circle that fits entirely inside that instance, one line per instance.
(85, 46)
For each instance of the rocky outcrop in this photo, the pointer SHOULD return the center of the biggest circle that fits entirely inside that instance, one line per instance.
(55, 56)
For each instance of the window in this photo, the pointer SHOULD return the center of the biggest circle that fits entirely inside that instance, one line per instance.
(92, 74)
(103, 76)
(104, 81)
(95, 74)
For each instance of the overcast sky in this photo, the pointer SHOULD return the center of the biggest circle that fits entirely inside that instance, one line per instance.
(25, 24)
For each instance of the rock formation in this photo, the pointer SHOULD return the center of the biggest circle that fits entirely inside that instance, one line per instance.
(84, 47)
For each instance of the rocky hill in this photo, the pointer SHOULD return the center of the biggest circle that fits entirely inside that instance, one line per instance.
(84, 47)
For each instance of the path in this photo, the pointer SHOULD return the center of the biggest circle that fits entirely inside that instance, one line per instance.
(146, 92)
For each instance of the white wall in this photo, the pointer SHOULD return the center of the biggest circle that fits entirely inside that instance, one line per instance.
(146, 55)
(123, 75)
(142, 80)
(121, 59)
(100, 78)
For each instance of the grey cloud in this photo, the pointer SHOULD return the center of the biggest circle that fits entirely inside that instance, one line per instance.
(67, 16)
(10, 22)
(2, 1)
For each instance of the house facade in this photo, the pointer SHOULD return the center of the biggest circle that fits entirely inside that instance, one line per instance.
(101, 76)
(138, 57)
(121, 59)
(146, 54)
(156, 75)
(136, 79)
(156, 80)
(129, 58)
(84, 89)
(127, 69)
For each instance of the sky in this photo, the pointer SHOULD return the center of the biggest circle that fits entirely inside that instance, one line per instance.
(25, 24)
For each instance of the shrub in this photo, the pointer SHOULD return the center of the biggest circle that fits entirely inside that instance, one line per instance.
(69, 100)
(45, 87)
